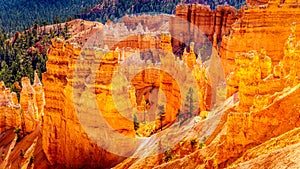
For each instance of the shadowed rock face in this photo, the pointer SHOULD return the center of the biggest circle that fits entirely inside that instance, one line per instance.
(198, 23)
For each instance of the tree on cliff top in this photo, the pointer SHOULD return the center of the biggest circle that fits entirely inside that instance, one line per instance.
(23, 54)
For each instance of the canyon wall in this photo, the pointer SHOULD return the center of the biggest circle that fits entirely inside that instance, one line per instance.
(198, 23)
(265, 26)
(192, 23)
(269, 100)
(83, 84)
(152, 21)
(142, 36)
(268, 107)
(246, 130)
(65, 139)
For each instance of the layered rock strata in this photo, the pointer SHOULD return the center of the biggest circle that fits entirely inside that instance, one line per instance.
(198, 23)
(65, 140)
(10, 115)
(256, 79)
(82, 84)
(268, 108)
(32, 101)
(268, 102)
(25, 115)
(259, 27)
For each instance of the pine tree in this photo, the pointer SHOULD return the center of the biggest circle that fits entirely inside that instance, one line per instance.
(161, 115)
(190, 103)
(45, 23)
(135, 122)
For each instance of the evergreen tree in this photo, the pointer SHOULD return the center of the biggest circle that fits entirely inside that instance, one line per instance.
(21, 56)
(190, 103)
(135, 122)
(161, 115)
(45, 23)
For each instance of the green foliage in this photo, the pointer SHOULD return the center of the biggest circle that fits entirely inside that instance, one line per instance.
(31, 160)
(23, 54)
(135, 122)
(168, 154)
(161, 109)
(193, 142)
(201, 145)
(18, 15)
(161, 115)
(190, 103)
(22, 153)
(17, 130)
(114, 10)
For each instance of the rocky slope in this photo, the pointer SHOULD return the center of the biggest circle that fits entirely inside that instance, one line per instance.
(276, 150)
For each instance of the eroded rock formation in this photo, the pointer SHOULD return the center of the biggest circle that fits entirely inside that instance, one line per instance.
(25, 115)
(259, 27)
(267, 102)
(64, 139)
(32, 103)
(10, 115)
(198, 23)
(141, 37)
(268, 107)
(75, 77)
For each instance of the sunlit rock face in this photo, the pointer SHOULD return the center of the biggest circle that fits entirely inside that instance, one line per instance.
(65, 140)
(256, 78)
(256, 2)
(137, 32)
(10, 116)
(268, 101)
(251, 69)
(32, 103)
(246, 130)
(82, 84)
(259, 27)
(25, 115)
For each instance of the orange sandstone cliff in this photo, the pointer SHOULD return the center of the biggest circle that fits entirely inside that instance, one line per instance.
(257, 123)
(198, 23)
(265, 26)
(263, 123)
(64, 139)
(10, 109)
